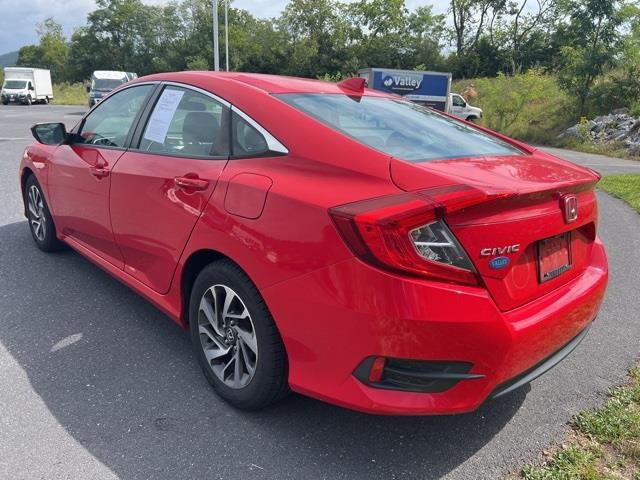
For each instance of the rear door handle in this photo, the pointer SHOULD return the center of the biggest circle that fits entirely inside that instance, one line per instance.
(191, 183)
(99, 172)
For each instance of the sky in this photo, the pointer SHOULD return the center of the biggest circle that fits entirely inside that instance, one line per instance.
(18, 18)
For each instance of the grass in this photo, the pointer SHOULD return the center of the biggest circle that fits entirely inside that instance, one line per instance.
(604, 442)
(625, 187)
(69, 94)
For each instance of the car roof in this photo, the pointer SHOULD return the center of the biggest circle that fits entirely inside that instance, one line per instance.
(265, 82)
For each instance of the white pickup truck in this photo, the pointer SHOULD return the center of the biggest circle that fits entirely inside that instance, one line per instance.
(26, 85)
(458, 107)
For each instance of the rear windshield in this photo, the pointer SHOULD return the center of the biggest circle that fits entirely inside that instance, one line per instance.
(15, 84)
(399, 128)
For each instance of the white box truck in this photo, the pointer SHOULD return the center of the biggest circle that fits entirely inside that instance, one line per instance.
(26, 85)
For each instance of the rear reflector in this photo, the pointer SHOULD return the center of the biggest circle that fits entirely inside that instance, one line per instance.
(377, 368)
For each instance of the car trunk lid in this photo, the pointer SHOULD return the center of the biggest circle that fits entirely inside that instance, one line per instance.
(506, 236)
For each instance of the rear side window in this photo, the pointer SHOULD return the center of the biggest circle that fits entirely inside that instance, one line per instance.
(187, 123)
(109, 123)
(247, 140)
(399, 128)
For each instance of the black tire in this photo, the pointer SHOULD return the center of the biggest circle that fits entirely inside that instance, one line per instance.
(269, 382)
(47, 242)
(46, 100)
(5, 102)
(28, 101)
(472, 119)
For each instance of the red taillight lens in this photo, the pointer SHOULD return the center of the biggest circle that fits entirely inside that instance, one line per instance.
(406, 233)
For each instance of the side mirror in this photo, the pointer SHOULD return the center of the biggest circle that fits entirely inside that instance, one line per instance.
(49, 133)
(88, 88)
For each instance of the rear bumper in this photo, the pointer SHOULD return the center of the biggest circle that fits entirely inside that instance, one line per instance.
(333, 319)
(541, 368)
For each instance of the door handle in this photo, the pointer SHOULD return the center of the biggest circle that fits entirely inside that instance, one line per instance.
(191, 183)
(99, 172)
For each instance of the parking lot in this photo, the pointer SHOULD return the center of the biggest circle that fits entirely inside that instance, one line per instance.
(97, 383)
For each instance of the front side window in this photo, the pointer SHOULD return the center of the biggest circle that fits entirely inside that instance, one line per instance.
(399, 128)
(186, 123)
(108, 125)
(458, 101)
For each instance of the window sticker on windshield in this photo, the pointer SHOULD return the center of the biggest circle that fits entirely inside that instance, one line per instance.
(162, 115)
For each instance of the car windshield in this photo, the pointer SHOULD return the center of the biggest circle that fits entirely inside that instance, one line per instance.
(106, 83)
(399, 128)
(15, 84)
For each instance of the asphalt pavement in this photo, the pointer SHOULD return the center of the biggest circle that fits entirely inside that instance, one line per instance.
(96, 383)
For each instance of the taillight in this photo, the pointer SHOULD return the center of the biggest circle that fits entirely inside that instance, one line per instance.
(406, 233)
(435, 242)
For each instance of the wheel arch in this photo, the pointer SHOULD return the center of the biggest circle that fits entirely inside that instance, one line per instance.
(24, 175)
(193, 265)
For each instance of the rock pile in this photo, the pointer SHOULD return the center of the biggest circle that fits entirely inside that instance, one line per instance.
(617, 127)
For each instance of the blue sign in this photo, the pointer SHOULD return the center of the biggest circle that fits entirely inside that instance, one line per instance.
(499, 263)
(411, 83)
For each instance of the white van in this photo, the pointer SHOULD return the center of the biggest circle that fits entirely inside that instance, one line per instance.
(103, 81)
(458, 107)
(26, 85)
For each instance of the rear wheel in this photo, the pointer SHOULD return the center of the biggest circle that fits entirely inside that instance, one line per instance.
(43, 230)
(235, 338)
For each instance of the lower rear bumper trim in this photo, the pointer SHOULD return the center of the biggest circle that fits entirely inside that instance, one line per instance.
(541, 368)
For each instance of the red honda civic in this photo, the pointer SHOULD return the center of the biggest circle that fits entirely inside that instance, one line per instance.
(327, 238)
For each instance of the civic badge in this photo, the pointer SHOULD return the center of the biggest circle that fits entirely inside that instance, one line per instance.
(569, 205)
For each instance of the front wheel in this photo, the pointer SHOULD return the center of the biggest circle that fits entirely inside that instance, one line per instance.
(43, 230)
(28, 101)
(235, 338)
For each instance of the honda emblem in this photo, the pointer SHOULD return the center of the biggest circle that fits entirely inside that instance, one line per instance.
(569, 204)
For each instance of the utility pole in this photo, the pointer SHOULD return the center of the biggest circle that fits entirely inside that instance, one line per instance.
(216, 52)
(226, 33)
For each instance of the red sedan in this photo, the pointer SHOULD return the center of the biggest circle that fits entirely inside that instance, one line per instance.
(326, 238)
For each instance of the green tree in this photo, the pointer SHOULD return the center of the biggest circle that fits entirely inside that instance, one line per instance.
(119, 35)
(591, 42)
(315, 33)
(387, 34)
(52, 52)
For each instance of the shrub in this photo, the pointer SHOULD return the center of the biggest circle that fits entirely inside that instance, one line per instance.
(69, 94)
(528, 106)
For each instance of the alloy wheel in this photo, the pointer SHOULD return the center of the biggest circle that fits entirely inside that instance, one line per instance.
(37, 219)
(227, 336)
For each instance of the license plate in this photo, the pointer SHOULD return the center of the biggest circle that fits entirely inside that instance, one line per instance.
(554, 256)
